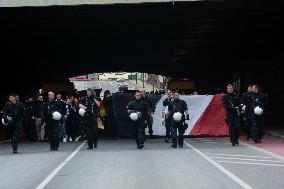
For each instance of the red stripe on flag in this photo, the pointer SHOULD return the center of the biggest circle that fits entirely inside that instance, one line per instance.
(212, 121)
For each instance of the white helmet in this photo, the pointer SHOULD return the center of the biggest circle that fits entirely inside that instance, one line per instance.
(7, 121)
(56, 116)
(258, 111)
(134, 116)
(177, 116)
(82, 111)
(3, 122)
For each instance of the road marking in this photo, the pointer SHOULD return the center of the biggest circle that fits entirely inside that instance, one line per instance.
(265, 160)
(238, 155)
(220, 167)
(209, 142)
(52, 175)
(264, 151)
(251, 163)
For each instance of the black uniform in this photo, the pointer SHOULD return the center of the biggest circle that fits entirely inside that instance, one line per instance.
(246, 118)
(261, 100)
(168, 120)
(90, 121)
(52, 126)
(109, 119)
(230, 102)
(63, 107)
(142, 108)
(177, 106)
(148, 117)
(16, 112)
(29, 124)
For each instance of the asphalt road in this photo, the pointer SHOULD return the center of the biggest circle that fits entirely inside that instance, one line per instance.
(203, 163)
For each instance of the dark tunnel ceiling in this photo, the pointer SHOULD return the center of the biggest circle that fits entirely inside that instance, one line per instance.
(201, 40)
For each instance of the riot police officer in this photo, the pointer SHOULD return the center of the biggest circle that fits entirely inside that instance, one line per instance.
(178, 112)
(257, 101)
(12, 117)
(149, 118)
(51, 116)
(168, 120)
(91, 106)
(138, 110)
(64, 108)
(231, 102)
(245, 111)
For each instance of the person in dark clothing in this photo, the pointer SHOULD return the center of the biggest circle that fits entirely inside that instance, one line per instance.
(36, 115)
(231, 103)
(247, 121)
(64, 108)
(29, 123)
(91, 105)
(141, 109)
(52, 125)
(260, 100)
(178, 107)
(14, 110)
(109, 118)
(168, 120)
(149, 118)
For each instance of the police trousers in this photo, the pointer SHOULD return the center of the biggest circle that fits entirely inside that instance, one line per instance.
(139, 131)
(91, 125)
(177, 139)
(233, 122)
(52, 129)
(15, 133)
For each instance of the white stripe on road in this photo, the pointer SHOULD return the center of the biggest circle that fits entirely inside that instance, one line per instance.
(241, 159)
(220, 167)
(264, 151)
(251, 163)
(238, 155)
(52, 175)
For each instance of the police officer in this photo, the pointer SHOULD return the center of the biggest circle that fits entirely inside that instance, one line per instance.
(245, 111)
(168, 120)
(260, 100)
(13, 114)
(178, 113)
(110, 118)
(139, 107)
(231, 102)
(28, 121)
(64, 108)
(52, 125)
(149, 118)
(91, 105)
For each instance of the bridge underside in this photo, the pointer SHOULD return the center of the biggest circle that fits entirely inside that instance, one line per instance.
(206, 41)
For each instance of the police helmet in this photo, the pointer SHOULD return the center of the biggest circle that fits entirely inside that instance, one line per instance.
(82, 111)
(56, 116)
(177, 116)
(134, 116)
(258, 111)
(6, 120)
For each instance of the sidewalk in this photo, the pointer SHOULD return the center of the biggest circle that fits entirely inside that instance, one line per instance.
(275, 133)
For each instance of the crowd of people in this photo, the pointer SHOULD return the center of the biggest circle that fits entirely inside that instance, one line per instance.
(76, 118)
(36, 117)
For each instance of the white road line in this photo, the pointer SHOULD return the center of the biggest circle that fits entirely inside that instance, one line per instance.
(220, 167)
(52, 175)
(209, 142)
(251, 163)
(241, 159)
(264, 151)
(238, 155)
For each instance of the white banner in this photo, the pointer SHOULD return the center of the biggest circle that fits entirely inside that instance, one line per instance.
(196, 106)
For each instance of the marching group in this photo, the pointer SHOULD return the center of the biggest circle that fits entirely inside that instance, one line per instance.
(69, 120)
